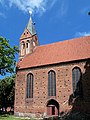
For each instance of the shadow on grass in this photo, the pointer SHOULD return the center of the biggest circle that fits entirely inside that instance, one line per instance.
(6, 115)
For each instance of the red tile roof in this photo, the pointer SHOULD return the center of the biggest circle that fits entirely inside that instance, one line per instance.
(65, 51)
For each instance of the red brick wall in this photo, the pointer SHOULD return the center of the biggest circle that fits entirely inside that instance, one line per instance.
(38, 104)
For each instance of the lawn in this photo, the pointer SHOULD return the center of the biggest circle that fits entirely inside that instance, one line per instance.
(10, 117)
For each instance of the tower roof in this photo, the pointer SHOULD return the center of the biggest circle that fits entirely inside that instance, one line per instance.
(30, 27)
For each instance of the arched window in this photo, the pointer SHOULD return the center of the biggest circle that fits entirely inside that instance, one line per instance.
(27, 46)
(51, 83)
(29, 86)
(76, 81)
(22, 48)
(23, 45)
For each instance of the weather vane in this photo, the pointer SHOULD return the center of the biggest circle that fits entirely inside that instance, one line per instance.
(30, 12)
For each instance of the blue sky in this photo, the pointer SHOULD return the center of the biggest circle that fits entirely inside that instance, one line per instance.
(56, 20)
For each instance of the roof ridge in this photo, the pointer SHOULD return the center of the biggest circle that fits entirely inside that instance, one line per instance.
(63, 41)
(58, 53)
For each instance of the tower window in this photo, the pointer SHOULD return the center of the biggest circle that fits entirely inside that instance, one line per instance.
(51, 83)
(26, 45)
(29, 87)
(23, 45)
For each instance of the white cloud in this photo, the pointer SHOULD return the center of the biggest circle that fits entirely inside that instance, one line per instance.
(62, 11)
(79, 34)
(36, 6)
(1, 1)
(51, 3)
(64, 7)
(26, 5)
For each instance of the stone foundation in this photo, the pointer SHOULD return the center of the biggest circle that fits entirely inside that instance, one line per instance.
(29, 115)
(18, 114)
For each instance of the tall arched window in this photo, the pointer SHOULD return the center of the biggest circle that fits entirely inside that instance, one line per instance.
(51, 83)
(23, 45)
(27, 47)
(29, 87)
(22, 48)
(77, 81)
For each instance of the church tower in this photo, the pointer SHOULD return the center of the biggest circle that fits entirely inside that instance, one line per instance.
(28, 39)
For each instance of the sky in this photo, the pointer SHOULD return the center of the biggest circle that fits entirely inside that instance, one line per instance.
(56, 20)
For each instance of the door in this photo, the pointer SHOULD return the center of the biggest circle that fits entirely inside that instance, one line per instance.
(52, 108)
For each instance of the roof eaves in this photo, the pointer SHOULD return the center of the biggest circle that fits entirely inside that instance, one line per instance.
(43, 65)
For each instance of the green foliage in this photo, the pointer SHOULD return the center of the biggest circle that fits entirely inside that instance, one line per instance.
(11, 117)
(7, 88)
(7, 57)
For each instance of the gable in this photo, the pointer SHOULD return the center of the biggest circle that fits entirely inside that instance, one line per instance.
(25, 34)
(65, 51)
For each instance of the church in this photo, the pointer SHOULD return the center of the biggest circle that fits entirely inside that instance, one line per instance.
(52, 79)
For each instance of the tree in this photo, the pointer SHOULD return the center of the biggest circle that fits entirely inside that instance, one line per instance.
(7, 57)
(7, 90)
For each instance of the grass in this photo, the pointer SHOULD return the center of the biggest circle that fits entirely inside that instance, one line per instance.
(10, 117)
(73, 116)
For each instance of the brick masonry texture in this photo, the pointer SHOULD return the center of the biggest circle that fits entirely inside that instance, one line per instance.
(61, 57)
(37, 106)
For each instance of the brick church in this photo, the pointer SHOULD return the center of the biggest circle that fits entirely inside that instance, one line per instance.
(52, 79)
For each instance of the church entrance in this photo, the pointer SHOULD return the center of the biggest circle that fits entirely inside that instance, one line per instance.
(52, 107)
